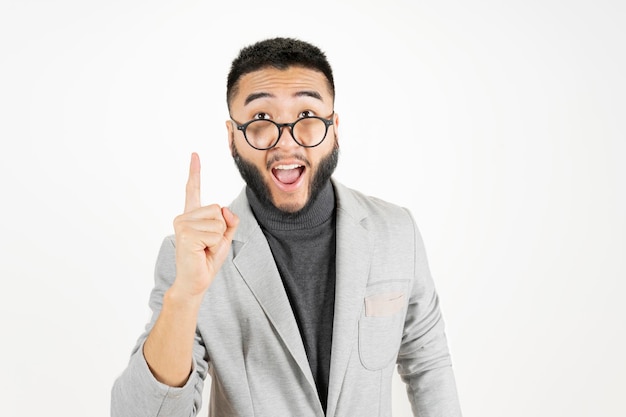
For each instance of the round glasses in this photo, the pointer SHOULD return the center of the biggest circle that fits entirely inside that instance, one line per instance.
(263, 134)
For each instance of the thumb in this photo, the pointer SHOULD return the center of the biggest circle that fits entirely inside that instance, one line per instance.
(232, 221)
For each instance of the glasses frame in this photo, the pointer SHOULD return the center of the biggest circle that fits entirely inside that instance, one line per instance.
(242, 127)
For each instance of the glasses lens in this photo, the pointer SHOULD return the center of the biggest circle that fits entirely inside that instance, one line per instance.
(262, 133)
(309, 131)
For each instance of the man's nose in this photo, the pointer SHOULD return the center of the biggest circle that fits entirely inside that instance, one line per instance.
(286, 139)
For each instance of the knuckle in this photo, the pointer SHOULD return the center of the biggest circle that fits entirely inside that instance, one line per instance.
(178, 221)
(214, 208)
(221, 226)
(182, 234)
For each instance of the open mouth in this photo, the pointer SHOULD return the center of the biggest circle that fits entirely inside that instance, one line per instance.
(288, 174)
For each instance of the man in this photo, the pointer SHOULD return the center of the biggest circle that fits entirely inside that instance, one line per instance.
(302, 296)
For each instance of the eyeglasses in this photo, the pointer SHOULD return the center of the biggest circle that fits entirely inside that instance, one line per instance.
(263, 134)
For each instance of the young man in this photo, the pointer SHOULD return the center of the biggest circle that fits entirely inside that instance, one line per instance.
(302, 296)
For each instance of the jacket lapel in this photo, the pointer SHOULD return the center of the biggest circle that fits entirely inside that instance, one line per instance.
(253, 259)
(353, 264)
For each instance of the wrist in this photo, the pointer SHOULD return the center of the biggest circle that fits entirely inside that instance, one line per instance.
(180, 298)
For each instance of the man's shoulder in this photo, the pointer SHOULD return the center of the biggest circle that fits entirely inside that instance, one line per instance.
(359, 204)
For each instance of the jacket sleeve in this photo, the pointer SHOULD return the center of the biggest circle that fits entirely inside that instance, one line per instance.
(136, 392)
(424, 361)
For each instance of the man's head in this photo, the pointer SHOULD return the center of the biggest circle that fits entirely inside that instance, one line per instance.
(282, 81)
(279, 53)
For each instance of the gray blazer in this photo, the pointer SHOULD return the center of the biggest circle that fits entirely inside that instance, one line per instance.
(247, 340)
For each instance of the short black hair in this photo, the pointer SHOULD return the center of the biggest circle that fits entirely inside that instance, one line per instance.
(279, 53)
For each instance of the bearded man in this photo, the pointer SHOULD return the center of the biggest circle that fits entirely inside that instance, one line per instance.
(303, 296)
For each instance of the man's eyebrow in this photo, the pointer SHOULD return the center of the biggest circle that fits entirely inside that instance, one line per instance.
(309, 93)
(255, 96)
(305, 93)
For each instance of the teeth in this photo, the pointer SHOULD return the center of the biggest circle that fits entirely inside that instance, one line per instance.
(286, 167)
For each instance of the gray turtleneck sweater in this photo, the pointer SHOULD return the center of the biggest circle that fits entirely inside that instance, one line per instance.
(303, 246)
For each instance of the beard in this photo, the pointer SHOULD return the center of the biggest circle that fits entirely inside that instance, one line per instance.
(253, 178)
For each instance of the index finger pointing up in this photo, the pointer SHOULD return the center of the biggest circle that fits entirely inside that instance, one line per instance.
(192, 195)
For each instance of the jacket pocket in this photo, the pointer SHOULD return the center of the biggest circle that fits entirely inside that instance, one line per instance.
(381, 325)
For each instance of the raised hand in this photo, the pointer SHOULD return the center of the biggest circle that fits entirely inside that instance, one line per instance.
(203, 238)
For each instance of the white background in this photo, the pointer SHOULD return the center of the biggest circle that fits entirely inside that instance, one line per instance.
(500, 124)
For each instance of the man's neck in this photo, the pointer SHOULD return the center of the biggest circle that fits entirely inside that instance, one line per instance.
(319, 209)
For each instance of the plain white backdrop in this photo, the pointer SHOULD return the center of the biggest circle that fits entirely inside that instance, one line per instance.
(499, 124)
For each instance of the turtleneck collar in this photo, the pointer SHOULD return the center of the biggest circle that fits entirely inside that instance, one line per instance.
(312, 215)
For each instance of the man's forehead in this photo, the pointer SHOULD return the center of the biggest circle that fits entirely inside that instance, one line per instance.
(272, 82)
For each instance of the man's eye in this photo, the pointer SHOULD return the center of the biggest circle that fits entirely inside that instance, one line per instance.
(306, 113)
(261, 116)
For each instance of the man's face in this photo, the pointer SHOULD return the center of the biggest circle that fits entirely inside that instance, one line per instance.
(287, 175)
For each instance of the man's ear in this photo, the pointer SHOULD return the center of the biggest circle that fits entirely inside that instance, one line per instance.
(231, 135)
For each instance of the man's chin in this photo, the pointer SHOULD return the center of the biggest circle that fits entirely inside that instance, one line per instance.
(255, 181)
(289, 208)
